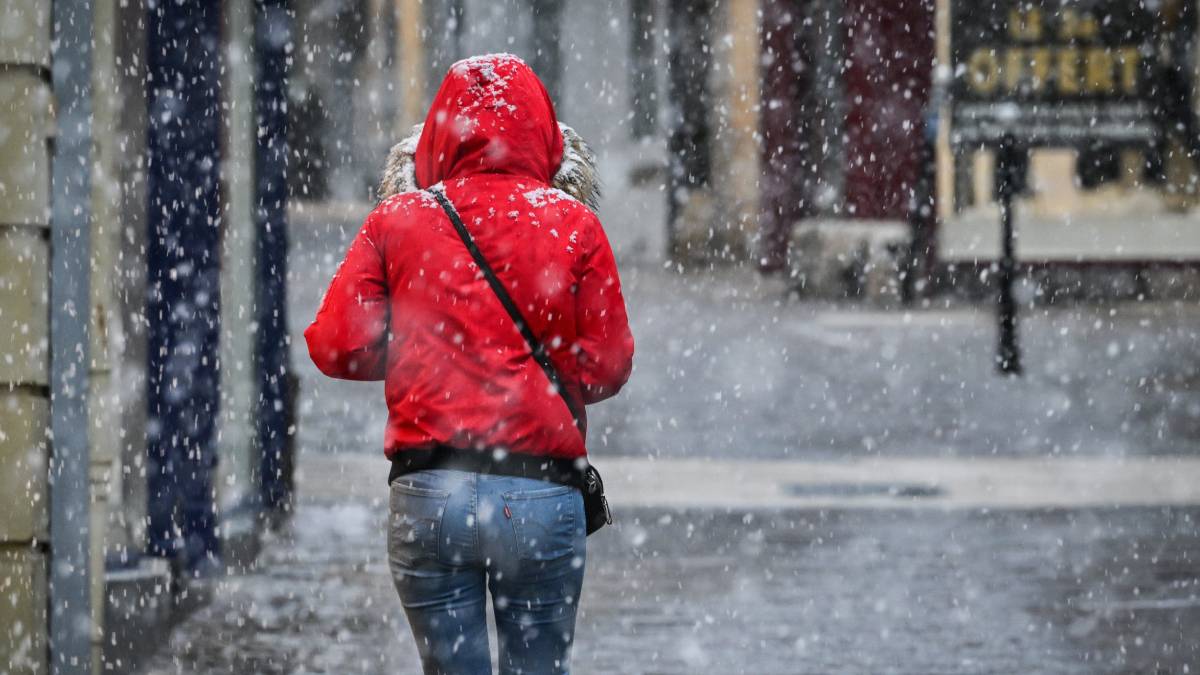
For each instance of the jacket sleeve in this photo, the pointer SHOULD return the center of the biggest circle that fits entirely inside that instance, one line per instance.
(348, 338)
(604, 342)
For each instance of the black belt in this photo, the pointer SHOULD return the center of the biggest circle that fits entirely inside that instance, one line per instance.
(553, 469)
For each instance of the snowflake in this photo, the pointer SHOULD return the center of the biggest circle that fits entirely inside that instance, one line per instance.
(544, 196)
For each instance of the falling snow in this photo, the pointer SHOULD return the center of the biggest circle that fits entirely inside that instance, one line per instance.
(868, 428)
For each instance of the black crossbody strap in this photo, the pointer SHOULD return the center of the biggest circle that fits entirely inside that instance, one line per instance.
(535, 346)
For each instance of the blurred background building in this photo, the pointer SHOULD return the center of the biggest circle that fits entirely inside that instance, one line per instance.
(802, 137)
(806, 139)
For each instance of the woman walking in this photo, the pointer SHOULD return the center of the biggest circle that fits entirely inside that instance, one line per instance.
(489, 198)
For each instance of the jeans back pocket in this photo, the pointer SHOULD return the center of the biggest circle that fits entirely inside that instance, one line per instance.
(544, 521)
(415, 522)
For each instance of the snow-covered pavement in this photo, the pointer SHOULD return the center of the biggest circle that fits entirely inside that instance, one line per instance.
(874, 483)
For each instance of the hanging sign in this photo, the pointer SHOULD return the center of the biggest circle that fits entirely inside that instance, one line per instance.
(1057, 72)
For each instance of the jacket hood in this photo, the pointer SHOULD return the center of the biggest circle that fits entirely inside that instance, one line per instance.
(577, 174)
(492, 115)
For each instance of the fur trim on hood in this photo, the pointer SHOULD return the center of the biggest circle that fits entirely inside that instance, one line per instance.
(576, 175)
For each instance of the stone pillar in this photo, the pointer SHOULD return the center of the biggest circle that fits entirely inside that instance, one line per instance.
(736, 90)
(25, 112)
(409, 60)
(948, 196)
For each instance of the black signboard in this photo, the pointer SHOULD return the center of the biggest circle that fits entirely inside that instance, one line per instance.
(1060, 72)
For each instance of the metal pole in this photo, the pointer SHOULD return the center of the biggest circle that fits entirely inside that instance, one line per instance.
(273, 32)
(70, 311)
(921, 217)
(1008, 356)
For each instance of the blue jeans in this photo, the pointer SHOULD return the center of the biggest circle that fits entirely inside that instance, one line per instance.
(455, 535)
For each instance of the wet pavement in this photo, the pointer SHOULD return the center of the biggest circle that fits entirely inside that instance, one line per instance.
(795, 591)
(728, 367)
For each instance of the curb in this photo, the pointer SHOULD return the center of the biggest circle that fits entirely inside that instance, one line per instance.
(940, 483)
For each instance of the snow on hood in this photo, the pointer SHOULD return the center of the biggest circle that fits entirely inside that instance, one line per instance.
(492, 115)
(576, 175)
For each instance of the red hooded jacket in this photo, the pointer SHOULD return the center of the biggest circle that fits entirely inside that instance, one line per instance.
(409, 306)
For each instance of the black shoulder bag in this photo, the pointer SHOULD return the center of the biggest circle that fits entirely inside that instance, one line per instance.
(595, 505)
